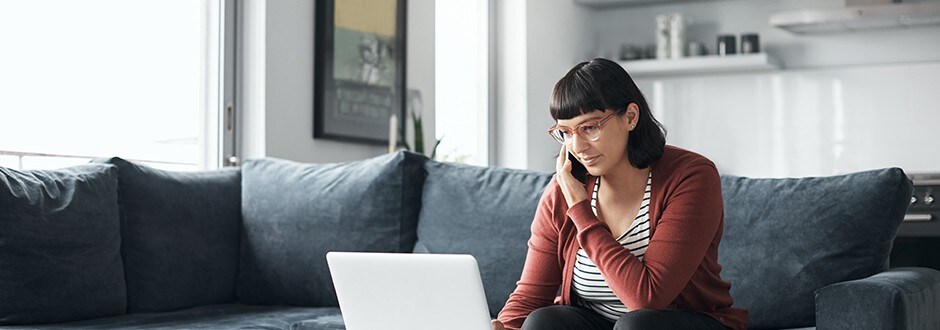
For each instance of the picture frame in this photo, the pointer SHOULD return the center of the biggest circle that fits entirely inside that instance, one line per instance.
(359, 69)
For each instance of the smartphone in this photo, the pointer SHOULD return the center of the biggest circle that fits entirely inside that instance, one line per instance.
(577, 169)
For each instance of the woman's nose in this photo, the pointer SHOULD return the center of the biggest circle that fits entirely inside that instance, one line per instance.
(578, 144)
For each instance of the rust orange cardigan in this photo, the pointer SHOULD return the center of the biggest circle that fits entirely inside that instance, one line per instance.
(680, 269)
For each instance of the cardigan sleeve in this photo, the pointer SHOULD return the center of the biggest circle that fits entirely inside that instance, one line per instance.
(541, 275)
(690, 219)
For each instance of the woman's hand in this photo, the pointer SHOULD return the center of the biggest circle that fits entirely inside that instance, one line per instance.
(497, 325)
(572, 188)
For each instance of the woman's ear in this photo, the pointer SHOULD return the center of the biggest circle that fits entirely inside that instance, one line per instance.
(633, 115)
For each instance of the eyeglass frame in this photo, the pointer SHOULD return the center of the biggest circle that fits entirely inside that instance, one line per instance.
(577, 129)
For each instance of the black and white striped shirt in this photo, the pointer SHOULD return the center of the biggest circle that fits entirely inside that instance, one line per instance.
(589, 284)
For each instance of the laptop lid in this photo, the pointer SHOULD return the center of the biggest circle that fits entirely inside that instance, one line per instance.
(409, 291)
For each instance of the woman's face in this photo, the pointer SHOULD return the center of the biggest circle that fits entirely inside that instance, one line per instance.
(609, 151)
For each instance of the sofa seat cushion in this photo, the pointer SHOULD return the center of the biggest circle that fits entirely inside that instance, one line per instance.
(180, 235)
(60, 245)
(221, 316)
(485, 212)
(786, 238)
(295, 213)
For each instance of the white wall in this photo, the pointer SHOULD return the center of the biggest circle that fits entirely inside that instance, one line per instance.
(250, 74)
(806, 122)
(277, 115)
(557, 36)
(510, 130)
(421, 64)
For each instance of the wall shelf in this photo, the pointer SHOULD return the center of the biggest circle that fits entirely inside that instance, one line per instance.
(698, 65)
(602, 4)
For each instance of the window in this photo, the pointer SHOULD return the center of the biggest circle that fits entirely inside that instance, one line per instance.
(138, 79)
(462, 47)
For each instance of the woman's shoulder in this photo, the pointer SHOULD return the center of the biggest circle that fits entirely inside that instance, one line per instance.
(683, 170)
(675, 158)
(678, 164)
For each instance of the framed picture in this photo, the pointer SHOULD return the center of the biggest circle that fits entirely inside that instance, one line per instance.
(359, 69)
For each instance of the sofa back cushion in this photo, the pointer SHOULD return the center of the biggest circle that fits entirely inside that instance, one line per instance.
(786, 238)
(180, 235)
(485, 212)
(60, 245)
(295, 213)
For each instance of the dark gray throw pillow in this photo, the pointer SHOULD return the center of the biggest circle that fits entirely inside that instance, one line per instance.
(295, 213)
(60, 245)
(786, 238)
(485, 212)
(181, 235)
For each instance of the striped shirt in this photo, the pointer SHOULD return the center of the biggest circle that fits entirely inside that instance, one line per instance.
(589, 284)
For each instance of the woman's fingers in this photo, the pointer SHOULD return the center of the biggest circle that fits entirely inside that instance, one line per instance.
(562, 157)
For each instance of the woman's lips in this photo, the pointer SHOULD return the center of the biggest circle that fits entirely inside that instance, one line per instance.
(588, 161)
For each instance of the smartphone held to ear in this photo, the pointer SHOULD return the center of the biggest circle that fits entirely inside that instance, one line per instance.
(578, 171)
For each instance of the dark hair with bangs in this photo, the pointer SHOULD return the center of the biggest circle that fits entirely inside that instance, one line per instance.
(599, 85)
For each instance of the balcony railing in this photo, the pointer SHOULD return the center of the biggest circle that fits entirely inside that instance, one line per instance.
(79, 159)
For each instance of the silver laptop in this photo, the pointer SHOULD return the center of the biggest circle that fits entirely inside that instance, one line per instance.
(409, 291)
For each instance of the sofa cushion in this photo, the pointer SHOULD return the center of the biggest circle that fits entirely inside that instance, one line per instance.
(180, 235)
(485, 212)
(786, 238)
(60, 245)
(295, 213)
(221, 316)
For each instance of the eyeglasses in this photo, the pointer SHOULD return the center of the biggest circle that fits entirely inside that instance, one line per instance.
(589, 130)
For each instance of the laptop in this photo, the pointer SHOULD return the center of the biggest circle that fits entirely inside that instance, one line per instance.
(409, 291)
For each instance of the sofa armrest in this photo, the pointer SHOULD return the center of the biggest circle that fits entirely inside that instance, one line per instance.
(899, 298)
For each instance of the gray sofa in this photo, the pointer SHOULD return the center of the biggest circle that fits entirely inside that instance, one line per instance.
(114, 244)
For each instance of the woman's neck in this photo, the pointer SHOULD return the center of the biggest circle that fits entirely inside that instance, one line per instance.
(624, 179)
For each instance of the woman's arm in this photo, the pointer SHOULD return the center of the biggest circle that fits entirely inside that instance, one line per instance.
(541, 275)
(688, 225)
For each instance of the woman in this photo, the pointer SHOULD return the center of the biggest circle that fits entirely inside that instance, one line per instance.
(635, 246)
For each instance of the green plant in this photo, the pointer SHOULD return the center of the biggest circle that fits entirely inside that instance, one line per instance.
(418, 137)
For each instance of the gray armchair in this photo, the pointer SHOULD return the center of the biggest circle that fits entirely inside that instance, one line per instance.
(900, 298)
(808, 252)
